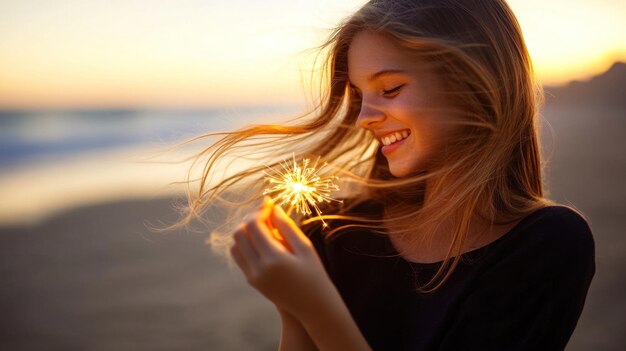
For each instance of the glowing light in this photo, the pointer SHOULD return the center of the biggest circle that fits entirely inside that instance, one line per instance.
(301, 186)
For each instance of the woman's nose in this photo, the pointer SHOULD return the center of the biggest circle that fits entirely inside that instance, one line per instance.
(368, 116)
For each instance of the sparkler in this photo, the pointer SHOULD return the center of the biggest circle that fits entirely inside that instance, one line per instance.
(301, 186)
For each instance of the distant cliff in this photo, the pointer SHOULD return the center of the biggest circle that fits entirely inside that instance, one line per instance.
(607, 89)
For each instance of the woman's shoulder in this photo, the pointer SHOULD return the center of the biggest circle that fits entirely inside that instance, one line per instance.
(559, 222)
(552, 244)
(555, 233)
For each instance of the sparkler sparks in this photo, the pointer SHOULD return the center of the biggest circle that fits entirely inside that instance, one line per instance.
(300, 186)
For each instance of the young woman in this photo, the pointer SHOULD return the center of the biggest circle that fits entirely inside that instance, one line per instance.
(445, 240)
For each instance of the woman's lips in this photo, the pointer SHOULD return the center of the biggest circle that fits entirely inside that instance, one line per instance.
(387, 149)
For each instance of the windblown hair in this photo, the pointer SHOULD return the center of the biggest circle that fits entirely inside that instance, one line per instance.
(491, 171)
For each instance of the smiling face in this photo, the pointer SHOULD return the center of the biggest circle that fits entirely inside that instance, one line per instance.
(402, 102)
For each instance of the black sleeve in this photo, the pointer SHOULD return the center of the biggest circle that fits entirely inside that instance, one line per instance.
(532, 299)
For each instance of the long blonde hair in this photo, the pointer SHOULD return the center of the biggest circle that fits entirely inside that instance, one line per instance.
(492, 170)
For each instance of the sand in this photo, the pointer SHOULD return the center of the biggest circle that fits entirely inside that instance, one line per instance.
(97, 278)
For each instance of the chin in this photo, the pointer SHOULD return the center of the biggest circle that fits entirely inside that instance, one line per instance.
(399, 172)
(405, 169)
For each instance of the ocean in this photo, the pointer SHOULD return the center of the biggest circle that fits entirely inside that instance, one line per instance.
(28, 137)
(56, 160)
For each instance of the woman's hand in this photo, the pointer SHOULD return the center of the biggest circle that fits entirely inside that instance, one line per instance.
(279, 261)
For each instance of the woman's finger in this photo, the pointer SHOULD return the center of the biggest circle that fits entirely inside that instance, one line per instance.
(290, 231)
(260, 234)
(241, 262)
(245, 247)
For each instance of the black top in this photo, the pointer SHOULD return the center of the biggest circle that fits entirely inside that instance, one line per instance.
(523, 291)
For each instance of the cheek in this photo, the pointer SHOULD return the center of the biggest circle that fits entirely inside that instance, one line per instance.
(433, 129)
(426, 141)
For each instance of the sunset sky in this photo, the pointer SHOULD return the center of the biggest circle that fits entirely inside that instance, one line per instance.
(165, 53)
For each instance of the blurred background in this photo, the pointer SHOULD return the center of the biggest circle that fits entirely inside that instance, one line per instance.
(94, 94)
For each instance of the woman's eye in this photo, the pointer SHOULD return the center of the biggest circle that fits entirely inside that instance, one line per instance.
(391, 91)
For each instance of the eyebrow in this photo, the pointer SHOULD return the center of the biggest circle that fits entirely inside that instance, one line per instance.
(379, 74)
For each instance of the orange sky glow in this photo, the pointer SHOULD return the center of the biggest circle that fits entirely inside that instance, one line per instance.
(192, 53)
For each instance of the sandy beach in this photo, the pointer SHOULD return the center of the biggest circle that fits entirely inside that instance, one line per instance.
(96, 278)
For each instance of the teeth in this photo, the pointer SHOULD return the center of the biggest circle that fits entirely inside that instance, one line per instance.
(397, 136)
